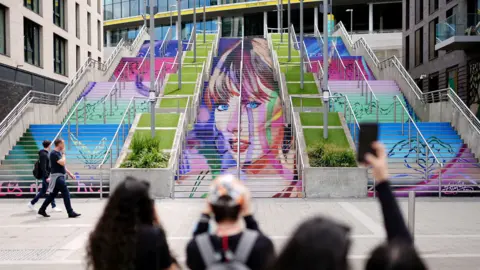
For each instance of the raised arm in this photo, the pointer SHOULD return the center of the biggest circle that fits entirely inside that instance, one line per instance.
(392, 216)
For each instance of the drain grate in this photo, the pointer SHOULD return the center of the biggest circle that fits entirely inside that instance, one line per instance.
(25, 254)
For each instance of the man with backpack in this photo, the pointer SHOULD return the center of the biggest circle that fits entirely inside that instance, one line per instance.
(41, 171)
(231, 246)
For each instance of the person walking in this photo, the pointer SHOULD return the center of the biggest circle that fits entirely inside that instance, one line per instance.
(128, 234)
(58, 182)
(44, 166)
(232, 246)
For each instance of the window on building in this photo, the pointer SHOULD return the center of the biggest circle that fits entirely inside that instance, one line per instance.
(31, 42)
(89, 54)
(77, 20)
(99, 59)
(77, 58)
(433, 82)
(451, 12)
(452, 78)
(432, 6)
(99, 35)
(432, 26)
(3, 30)
(33, 5)
(419, 47)
(418, 11)
(89, 2)
(407, 14)
(59, 55)
(99, 6)
(89, 28)
(407, 52)
(59, 13)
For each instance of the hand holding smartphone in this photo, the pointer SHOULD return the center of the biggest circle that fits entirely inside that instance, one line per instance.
(368, 135)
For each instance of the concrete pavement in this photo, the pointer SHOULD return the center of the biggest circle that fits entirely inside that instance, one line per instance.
(447, 230)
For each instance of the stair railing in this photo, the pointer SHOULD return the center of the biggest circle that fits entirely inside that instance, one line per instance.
(366, 89)
(217, 39)
(119, 137)
(108, 63)
(319, 73)
(160, 80)
(296, 43)
(199, 86)
(307, 63)
(166, 40)
(190, 40)
(318, 35)
(421, 143)
(141, 69)
(394, 70)
(177, 154)
(297, 133)
(338, 58)
(116, 90)
(351, 120)
(138, 39)
(67, 124)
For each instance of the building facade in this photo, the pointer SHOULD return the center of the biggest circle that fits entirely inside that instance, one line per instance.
(44, 42)
(441, 46)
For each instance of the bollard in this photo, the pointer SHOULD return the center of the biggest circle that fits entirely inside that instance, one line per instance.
(411, 213)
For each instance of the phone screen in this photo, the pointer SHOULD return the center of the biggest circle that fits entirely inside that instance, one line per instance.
(368, 135)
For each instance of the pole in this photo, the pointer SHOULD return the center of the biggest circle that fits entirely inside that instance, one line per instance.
(325, 67)
(180, 47)
(289, 33)
(411, 213)
(301, 46)
(152, 68)
(281, 21)
(351, 22)
(145, 12)
(204, 21)
(194, 31)
(278, 19)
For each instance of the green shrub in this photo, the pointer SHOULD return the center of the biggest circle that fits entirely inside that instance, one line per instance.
(146, 153)
(330, 155)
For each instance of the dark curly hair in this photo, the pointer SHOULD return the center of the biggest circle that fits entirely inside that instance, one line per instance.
(112, 245)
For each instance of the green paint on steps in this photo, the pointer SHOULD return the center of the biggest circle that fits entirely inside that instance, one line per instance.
(307, 102)
(173, 103)
(316, 119)
(166, 136)
(335, 136)
(161, 120)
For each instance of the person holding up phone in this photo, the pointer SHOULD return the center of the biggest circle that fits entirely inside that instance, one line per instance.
(398, 252)
(58, 161)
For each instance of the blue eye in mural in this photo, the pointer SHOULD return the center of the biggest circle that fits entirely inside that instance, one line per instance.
(222, 107)
(253, 105)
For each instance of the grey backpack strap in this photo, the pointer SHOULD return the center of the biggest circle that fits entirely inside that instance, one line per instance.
(245, 246)
(206, 249)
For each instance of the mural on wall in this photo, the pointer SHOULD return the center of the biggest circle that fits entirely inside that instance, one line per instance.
(267, 157)
(473, 99)
(133, 72)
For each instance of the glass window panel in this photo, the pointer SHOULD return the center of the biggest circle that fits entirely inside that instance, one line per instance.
(3, 49)
(134, 8)
(125, 9)
(117, 11)
(108, 12)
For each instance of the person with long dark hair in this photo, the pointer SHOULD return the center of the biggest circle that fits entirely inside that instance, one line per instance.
(128, 234)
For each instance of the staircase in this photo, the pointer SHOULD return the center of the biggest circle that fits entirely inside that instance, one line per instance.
(85, 150)
(211, 148)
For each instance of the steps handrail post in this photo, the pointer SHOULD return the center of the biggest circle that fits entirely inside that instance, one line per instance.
(394, 110)
(84, 110)
(403, 122)
(101, 183)
(76, 121)
(68, 135)
(426, 163)
(134, 109)
(371, 101)
(111, 105)
(440, 183)
(104, 112)
(129, 120)
(409, 133)
(378, 110)
(418, 149)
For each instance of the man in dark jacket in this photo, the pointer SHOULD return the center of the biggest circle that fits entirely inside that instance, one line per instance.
(45, 172)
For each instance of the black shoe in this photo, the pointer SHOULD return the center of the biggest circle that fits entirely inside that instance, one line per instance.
(43, 213)
(73, 215)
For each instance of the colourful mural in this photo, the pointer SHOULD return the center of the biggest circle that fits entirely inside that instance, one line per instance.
(133, 72)
(267, 157)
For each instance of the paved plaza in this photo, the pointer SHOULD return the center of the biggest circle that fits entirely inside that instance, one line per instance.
(447, 230)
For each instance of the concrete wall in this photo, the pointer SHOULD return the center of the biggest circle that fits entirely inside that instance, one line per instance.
(16, 12)
(10, 95)
(381, 41)
(335, 182)
(161, 180)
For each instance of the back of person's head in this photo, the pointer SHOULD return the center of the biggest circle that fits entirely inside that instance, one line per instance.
(227, 196)
(46, 143)
(112, 243)
(317, 244)
(57, 142)
(395, 255)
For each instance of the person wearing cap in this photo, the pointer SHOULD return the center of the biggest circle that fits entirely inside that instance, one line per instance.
(228, 201)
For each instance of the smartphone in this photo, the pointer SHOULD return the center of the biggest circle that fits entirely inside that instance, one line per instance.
(368, 135)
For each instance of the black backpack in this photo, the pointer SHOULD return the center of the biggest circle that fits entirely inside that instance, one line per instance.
(37, 173)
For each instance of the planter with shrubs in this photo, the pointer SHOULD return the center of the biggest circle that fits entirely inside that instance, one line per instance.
(332, 172)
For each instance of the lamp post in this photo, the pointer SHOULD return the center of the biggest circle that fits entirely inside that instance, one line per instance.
(151, 93)
(180, 46)
(302, 52)
(325, 70)
(194, 31)
(351, 20)
(289, 33)
(204, 21)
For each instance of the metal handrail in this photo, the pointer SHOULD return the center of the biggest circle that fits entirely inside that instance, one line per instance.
(165, 40)
(458, 102)
(67, 123)
(416, 127)
(299, 154)
(335, 51)
(158, 86)
(189, 44)
(144, 58)
(352, 113)
(369, 88)
(136, 42)
(114, 90)
(114, 54)
(294, 37)
(401, 69)
(318, 35)
(127, 111)
(308, 63)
